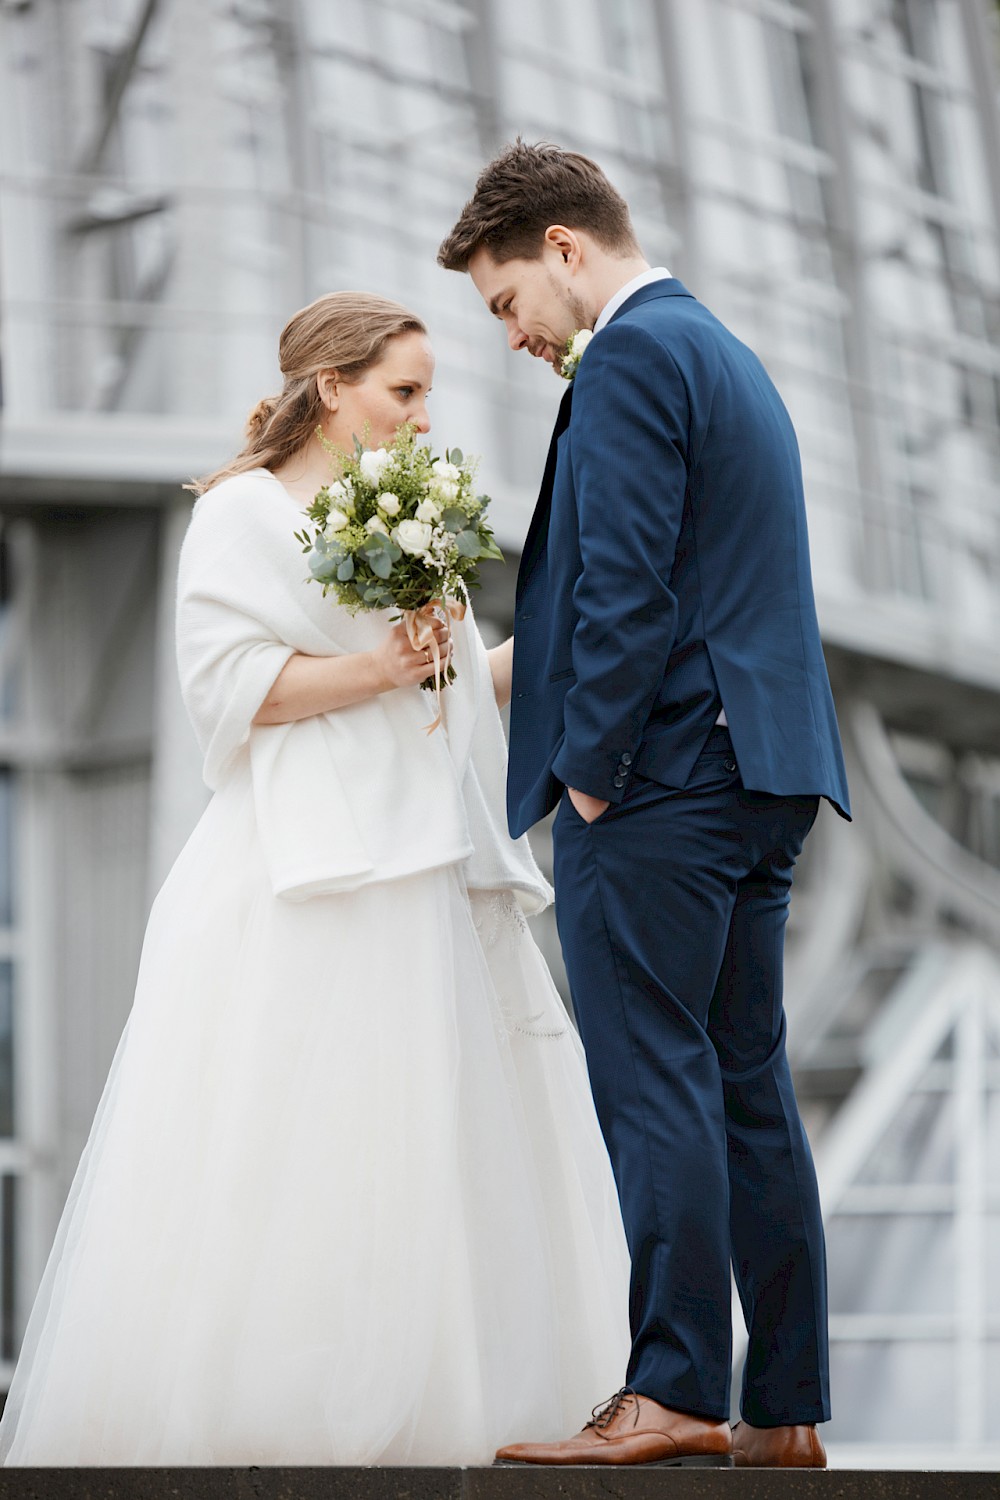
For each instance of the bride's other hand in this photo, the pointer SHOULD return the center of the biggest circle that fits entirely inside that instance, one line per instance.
(402, 666)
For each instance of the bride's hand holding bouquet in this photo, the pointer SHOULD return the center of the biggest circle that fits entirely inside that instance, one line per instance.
(401, 664)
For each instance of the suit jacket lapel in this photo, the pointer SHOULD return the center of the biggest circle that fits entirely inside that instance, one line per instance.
(539, 525)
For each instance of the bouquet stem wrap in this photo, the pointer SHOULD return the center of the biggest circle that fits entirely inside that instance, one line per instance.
(420, 629)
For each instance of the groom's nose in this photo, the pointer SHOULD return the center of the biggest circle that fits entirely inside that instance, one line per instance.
(516, 337)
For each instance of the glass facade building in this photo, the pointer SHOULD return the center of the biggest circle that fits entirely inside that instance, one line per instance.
(177, 176)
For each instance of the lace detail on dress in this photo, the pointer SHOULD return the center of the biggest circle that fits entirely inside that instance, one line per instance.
(504, 934)
(494, 913)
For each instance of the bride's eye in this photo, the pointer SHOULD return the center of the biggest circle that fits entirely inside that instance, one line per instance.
(406, 391)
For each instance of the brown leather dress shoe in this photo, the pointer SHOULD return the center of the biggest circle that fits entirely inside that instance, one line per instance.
(632, 1429)
(798, 1447)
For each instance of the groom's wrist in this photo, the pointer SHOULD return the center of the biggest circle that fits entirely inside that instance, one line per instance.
(605, 783)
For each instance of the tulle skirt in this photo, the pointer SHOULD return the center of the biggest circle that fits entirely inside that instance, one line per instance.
(345, 1199)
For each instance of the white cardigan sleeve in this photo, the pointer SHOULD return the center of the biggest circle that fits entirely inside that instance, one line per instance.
(228, 652)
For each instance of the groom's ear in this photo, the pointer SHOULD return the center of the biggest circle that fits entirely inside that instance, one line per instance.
(566, 244)
(329, 393)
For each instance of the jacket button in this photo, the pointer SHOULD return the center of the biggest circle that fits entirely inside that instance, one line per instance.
(622, 768)
(730, 765)
(619, 781)
(626, 758)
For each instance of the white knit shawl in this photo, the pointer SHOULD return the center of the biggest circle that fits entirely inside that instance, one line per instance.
(360, 794)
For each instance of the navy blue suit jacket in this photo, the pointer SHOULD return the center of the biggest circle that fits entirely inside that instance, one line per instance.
(666, 574)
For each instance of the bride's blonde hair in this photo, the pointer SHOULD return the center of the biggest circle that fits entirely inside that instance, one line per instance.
(343, 331)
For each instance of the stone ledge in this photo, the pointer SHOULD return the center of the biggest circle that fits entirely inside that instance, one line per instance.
(492, 1484)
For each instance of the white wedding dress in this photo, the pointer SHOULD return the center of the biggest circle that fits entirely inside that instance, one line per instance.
(345, 1200)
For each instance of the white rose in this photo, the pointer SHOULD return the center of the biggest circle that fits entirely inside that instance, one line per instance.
(373, 464)
(445, 489)
(335, 521)
(445, 470)
(376, 523)
(341, 494)
(579, 342)
(389, 503)
(413, 536)
(427, 510)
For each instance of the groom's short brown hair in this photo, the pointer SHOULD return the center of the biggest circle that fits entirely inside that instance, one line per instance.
(524, 190)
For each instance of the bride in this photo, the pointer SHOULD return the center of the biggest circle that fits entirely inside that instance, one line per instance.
(345, 1199)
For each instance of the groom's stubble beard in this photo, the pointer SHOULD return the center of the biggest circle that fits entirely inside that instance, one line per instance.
(577, 315)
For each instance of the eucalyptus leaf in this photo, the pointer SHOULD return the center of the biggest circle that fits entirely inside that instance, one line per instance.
(346, 570)
(468, 544)
(455, 456)
(454, 518)
(322, 567)
(381, 564)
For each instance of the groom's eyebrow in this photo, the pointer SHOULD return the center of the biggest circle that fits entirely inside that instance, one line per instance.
(495, 301)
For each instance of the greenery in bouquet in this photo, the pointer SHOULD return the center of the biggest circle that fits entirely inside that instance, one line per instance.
(398, 528)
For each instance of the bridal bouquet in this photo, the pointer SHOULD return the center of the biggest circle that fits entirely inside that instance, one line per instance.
(400, 529)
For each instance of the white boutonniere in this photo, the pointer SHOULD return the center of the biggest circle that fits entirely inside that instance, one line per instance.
(575, 350)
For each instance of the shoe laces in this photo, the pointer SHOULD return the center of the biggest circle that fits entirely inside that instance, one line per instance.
(602, 1416)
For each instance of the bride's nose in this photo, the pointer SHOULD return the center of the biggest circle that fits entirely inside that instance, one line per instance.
(421, 420)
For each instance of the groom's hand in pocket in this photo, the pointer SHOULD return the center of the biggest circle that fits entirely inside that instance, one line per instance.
(588, 807)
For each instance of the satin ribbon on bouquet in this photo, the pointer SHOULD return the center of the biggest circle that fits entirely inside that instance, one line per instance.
(420, 629)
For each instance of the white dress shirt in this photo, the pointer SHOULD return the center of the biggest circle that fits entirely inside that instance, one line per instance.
(644, 278)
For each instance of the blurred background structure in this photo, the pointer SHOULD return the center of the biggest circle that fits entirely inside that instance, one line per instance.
(177, 176)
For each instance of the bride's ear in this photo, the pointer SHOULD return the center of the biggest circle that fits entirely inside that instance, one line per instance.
(329, 392)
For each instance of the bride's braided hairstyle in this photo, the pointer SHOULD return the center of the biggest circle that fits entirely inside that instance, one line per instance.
(343, 331)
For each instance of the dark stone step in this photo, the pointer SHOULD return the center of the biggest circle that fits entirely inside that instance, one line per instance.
(494, 1484)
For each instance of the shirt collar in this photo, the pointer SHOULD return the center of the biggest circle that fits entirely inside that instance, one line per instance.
(645, 278)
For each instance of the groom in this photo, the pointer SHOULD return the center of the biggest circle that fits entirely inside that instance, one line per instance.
(670, 694)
